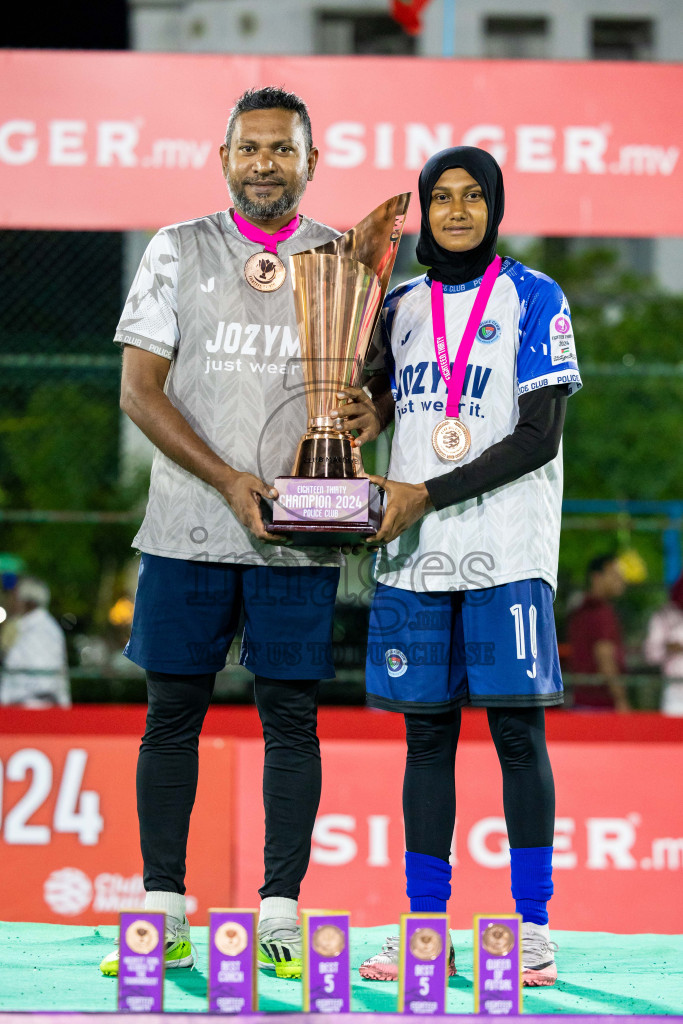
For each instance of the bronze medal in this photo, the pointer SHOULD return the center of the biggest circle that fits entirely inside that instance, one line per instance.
(142, 937)
(265, 271)
(328, 940)
(498, 940)
(451, 439)
(425, 944)
(231, 938)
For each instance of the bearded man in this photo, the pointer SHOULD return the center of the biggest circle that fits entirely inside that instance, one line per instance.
(209, 339)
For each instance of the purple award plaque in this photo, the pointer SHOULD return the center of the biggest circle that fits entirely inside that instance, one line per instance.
(326, 967)
(498, 964)
(141, 961)
(331, 507)
(423, 972)
(232, 961)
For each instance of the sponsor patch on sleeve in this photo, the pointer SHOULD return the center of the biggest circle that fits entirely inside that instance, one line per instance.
(562, 348)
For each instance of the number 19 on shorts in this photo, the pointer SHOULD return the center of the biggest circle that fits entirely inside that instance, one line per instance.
(517, 612)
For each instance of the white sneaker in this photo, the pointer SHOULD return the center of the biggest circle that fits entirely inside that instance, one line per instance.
(178, 950)
(280, 947)
(384, 966)
(538, 955)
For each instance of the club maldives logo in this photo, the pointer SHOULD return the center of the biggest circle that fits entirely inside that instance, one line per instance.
(489, 331)
(70, 892)
(397, 663)
(562, 324)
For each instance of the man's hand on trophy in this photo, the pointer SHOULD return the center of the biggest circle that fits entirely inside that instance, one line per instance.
(406, 503)
(358, 413)
(243, 493)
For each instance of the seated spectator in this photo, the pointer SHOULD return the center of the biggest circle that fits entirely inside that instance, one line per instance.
(34, 671)
(664, 647)
(595, 638)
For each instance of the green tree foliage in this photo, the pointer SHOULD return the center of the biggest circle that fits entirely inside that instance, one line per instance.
(59, 440)
(62, 454)
(622, 435)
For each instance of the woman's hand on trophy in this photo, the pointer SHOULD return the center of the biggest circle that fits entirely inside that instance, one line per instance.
(406, 503)
(359, 413)
(243, 493)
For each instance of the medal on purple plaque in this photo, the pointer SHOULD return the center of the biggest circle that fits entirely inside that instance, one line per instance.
(498, 964)
(326, 971)
(451, 438)
(141, 961)
(423, 964)
(232, 961)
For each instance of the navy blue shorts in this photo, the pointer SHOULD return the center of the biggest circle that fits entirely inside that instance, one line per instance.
(486, 648)
(187, 614)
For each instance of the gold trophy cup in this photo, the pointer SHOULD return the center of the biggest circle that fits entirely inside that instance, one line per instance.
(339, 288)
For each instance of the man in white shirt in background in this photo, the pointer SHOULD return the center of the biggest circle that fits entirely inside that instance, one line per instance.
(34, 670)
(664, 647)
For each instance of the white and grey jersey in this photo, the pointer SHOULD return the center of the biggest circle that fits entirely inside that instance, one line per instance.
(235, 376)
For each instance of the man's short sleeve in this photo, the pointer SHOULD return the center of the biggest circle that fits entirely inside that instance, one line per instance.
(547, 354)
(150, 316)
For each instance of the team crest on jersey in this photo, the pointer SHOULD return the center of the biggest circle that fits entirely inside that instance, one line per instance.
(397, 663)
(489, 331)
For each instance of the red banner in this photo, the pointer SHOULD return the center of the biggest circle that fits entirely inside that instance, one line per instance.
(70, 847)
(618, 840)
(130, 140)
(70, 851)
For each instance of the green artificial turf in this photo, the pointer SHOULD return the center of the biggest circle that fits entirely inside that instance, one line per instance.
(55, 967)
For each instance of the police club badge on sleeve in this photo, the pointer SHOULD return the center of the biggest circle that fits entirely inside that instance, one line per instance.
(562, 349)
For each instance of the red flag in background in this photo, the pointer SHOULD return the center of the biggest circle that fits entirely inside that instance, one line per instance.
(407, 14)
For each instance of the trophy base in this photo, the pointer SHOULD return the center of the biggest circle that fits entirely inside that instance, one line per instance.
(329, 511)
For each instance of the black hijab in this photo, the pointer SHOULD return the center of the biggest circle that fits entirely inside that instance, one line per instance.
(459, 267)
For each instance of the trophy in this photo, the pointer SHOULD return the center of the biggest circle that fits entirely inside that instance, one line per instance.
(339, 288)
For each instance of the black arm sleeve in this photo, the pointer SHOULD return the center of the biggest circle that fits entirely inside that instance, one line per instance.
(534, 441)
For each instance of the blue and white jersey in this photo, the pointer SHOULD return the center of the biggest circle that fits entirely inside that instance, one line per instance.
(524, 342)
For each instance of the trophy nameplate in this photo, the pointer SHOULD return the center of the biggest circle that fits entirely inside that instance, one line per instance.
(498, 965)
(326, 974)
(233, 971)
(423, 964)
(141, 961)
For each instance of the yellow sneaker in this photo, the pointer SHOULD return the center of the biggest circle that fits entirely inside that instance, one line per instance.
(279, 947)
(177, 949)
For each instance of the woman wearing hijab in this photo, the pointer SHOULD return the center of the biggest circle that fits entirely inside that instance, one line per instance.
(480, 355)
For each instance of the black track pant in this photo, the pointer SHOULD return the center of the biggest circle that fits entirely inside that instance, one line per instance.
(168, 770)
(429, 784)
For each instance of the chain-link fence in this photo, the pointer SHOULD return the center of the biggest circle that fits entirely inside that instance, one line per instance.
(70, 499)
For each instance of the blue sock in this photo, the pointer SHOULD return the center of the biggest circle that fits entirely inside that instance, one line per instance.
(531, 869)
(428, 883)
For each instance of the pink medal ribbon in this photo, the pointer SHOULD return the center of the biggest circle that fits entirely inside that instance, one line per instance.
(269, 242)
(451, 438)
(265, 273)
